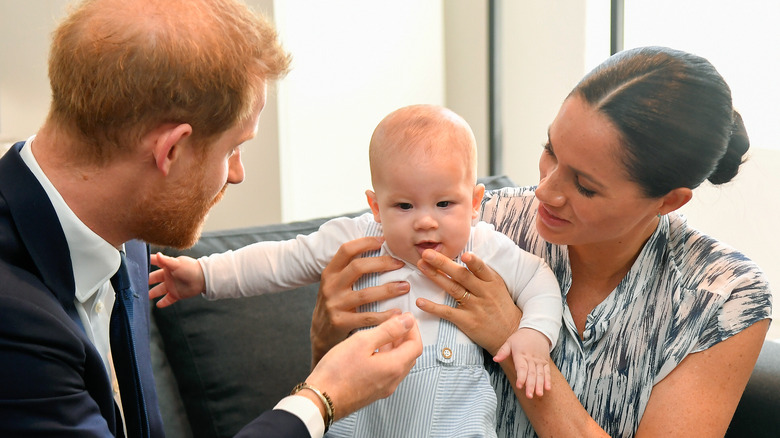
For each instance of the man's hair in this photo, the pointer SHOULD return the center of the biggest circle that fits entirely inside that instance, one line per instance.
(120, 68)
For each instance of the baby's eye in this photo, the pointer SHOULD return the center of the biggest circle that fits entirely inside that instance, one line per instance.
(405, 206)
(443, 204)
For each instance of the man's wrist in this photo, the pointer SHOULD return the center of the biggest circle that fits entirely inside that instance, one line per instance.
(320, 398)
(307, 410)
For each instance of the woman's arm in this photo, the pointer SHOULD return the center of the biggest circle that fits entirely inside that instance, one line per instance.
(699, 397)
(335, 312)
(558, 412)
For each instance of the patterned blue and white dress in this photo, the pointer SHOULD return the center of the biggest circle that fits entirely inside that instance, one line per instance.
(685, 293)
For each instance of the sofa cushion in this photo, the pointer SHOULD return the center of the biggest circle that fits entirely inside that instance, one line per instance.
(233, 359)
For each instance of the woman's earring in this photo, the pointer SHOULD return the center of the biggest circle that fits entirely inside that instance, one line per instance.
(659, 215)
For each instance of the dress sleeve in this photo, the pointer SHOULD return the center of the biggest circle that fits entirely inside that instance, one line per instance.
(749, 301)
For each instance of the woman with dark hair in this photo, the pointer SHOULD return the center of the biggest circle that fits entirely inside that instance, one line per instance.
(662, 324)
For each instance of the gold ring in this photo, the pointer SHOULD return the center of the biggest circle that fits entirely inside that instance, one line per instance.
(462, 300)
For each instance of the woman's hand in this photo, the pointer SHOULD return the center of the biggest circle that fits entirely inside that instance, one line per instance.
(335, 312)
(487, 313)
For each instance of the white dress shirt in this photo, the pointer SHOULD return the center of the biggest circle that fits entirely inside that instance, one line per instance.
(94, 262)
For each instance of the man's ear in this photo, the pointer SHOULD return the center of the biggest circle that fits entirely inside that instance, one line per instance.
(374, 204)
(167, 145)
(476, 200)
(674, 200)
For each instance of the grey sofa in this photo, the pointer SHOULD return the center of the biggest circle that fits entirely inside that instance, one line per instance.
(219, 364)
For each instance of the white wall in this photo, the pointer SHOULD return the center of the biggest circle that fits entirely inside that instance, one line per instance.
(466, 68)
(354, 62)
(543, 56)
(24, 46)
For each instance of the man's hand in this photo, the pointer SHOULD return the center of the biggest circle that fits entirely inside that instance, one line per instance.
(368, 365)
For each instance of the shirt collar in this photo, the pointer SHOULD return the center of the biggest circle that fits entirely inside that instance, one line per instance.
(93, 259)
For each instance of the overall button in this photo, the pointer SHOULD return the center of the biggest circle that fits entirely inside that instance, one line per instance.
(446, 353)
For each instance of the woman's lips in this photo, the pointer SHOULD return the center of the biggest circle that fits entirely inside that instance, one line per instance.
(550, 219)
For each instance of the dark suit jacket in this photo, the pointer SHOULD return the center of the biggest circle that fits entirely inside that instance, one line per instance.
(52, 379)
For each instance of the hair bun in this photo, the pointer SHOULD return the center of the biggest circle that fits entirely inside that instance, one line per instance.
(738, 145)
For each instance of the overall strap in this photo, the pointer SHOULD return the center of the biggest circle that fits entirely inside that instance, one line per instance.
(374, 230)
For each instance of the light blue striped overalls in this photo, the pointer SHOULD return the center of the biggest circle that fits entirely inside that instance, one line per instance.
(447, 393)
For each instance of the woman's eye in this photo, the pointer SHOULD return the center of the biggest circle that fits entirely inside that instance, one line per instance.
(443, 204)
(583, 191)
(548, 149)
(405, 206)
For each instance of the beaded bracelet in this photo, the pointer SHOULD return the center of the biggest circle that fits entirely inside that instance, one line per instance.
(330, 410)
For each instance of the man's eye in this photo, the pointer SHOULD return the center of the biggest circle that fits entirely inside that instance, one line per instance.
(443, 204)
(405, 206)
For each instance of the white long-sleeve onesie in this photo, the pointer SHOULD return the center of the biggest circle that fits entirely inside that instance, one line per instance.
(274, 266)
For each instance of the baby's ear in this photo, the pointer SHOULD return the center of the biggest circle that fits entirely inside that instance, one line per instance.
(374, 204)
(476, 201)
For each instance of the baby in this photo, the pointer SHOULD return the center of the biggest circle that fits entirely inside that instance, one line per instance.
(425, 196)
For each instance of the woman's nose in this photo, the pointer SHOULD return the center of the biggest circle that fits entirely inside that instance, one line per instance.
(548, 191)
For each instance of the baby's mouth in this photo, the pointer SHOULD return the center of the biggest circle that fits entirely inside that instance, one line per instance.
(422, 246)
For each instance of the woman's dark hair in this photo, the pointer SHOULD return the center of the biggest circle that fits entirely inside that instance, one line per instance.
(674, 114)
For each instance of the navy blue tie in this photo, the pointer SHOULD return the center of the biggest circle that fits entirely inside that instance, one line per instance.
(123, 353)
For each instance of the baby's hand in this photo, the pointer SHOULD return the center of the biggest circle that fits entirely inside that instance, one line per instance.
(530, 352)
(178, 278)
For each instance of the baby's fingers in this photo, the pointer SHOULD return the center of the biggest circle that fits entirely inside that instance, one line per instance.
(522, 368)
(531, 381)
(166, 301)
(157, 291)
(546, 383)
(539, 379)
(157, 276)
(503, 353)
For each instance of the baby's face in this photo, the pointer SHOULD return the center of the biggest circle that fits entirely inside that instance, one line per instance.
(425, 202)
